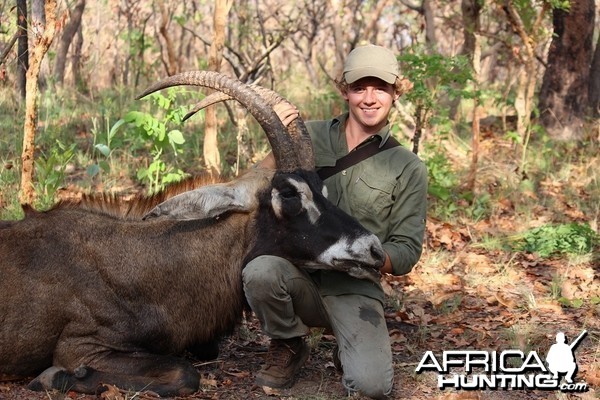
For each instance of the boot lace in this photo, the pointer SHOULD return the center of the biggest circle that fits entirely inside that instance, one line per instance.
(279, 354)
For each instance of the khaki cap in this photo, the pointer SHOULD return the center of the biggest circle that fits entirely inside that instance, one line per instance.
(371, 61)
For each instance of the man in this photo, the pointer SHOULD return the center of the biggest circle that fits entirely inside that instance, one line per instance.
(387, 194)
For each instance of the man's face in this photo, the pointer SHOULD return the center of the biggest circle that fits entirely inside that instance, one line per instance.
(370, 100)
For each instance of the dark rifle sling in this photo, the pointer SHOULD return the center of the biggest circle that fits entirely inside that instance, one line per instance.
(356, 156)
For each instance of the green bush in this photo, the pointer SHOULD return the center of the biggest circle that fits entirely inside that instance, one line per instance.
(50, 172)
(548, 240)
(166, 140)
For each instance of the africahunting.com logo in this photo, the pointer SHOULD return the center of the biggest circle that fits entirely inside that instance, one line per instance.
(509, 369)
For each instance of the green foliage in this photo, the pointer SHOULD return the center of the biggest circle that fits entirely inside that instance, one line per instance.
(50, 173)
(548, 240)
(442, 185)
(529, 15)
(447, 199)
(104, 145)
(9, 191)
(573, 303)
(480, 205)
(163, 137)
(556, 294)
(561, 4)
(442, 180)
(434, 76)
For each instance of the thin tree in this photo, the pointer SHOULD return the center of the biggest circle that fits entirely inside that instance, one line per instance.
(42, 43)
(76, 54)
(475, 130)
(527, 32)
(425, 9)
(22, 47)
(212, 158)
(172, 61)
(594, 89)
(69, 31)
(471, 10)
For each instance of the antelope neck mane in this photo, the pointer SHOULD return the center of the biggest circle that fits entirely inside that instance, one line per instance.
(116, 206)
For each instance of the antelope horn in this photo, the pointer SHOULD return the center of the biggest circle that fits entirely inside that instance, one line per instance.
(211, 99)
(282, 144)
(297, 130)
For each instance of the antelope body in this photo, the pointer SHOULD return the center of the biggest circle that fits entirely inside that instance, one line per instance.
(89, 295)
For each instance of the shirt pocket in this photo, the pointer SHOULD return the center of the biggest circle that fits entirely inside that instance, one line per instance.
(373, 195)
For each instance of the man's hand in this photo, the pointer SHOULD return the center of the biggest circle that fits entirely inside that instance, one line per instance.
(286, 112)
(387, 266)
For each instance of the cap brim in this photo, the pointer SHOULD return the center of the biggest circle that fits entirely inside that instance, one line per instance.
(369, 72)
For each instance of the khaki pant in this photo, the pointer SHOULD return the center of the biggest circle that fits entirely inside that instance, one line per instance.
(287, 302)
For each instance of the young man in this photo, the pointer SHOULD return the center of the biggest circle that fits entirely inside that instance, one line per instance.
(387, 193)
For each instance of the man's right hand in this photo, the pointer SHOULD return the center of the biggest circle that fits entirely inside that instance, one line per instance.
(286, 112)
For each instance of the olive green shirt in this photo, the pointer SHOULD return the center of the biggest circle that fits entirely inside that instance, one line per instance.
(386, 193)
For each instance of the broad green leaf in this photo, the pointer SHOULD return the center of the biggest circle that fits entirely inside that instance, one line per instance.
(115, 128)
(104, 165)
(175, 136)
(104, 149)
(92, 170)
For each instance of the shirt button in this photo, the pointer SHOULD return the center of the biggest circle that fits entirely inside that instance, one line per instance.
(344, 172)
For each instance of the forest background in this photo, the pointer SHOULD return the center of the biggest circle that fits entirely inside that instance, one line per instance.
(504, 111)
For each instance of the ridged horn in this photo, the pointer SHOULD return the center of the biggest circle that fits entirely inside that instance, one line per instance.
(282, 144)
(297, 130)
(211, 99)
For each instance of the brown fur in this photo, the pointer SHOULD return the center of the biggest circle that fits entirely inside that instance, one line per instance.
(91, 294)
(135, 208)
(88, 283)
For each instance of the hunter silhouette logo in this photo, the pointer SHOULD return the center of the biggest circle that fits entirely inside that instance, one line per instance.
(508, 369)
(561, 356)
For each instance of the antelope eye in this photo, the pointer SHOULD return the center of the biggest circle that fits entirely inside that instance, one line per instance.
(288, 193)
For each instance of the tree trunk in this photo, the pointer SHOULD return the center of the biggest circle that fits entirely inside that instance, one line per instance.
(38, 17)
(22, 47)
(69, 32)
(39, 50)
(429, 15)
(475, 130)
(338, 39)
(76, 61)
(594, 90)
(527, 76)
(211, 154)
(563, 99)
(425, 8)
(171, 63)
(470, 10)
(37, 24)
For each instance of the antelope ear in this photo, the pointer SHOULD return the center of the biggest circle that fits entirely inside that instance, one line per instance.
(206, 202)
(212, 200)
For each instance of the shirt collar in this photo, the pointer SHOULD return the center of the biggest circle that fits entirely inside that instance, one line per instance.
(383, 134)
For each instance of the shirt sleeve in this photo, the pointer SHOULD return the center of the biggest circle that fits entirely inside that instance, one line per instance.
(404, 242)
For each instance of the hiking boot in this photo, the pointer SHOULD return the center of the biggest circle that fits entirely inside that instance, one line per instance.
(284, 359)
